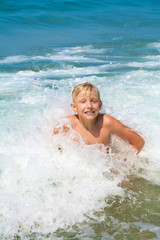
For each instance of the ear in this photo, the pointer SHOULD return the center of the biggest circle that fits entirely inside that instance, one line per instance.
(100, 105)
(73, 106)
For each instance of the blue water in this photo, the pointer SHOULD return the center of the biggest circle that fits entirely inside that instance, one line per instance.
(46, 48)
(44, 24)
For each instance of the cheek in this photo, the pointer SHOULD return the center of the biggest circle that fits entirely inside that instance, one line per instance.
(79, 108)
(97, 106)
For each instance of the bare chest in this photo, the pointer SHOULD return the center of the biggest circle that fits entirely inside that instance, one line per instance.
(102, 136)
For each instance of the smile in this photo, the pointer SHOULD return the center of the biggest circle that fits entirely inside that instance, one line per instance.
(89, 112)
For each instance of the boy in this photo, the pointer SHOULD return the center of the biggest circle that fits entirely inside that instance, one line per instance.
(92, 126)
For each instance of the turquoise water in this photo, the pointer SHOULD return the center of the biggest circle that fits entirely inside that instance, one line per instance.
(46, 48)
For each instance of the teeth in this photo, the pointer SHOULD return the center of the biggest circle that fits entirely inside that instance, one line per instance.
(90, 112)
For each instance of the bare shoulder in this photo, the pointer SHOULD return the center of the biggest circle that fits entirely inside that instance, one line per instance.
(109, 120)
(113, 124)
(71, 118)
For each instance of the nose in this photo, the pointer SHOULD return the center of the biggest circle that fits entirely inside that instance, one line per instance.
(89, 104)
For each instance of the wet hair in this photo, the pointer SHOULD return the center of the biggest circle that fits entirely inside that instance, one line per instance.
(85, 86)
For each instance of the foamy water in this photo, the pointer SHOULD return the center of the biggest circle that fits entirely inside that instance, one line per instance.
(45, 189)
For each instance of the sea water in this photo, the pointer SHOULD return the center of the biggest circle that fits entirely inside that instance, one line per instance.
(50, 186)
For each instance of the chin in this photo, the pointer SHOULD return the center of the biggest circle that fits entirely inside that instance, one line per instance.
(90, 116)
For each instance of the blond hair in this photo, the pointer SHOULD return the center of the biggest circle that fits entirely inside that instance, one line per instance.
(84, 86)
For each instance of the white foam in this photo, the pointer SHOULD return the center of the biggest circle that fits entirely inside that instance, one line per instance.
(23, 79)
(153, 57)
(155, 45)
(14, 59)
(64, 54)
(84, 49)
(147, 64)
(45, 189)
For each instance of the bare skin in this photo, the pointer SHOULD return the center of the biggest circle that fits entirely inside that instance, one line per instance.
(94, 127)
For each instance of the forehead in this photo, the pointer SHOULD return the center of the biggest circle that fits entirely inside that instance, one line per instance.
(87, 93)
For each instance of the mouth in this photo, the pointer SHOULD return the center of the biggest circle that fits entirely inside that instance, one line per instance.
(90, 113)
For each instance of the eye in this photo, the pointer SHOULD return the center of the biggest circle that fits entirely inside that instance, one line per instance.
(94, 100)
(82, 101)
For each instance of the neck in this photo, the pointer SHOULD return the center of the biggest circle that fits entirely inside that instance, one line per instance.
(88, 124)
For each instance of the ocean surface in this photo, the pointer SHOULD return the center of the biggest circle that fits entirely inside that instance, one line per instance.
(50, 187)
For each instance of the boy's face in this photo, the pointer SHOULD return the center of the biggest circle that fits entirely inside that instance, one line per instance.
(87, 104)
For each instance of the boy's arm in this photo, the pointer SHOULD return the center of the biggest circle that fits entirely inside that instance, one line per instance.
(66, 130)
(126, 133)
(60, 129)
(65, 127)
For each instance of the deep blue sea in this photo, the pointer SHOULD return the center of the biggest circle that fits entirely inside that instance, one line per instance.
(46, 48)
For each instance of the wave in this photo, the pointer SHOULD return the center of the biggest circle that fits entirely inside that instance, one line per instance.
(50, 184)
